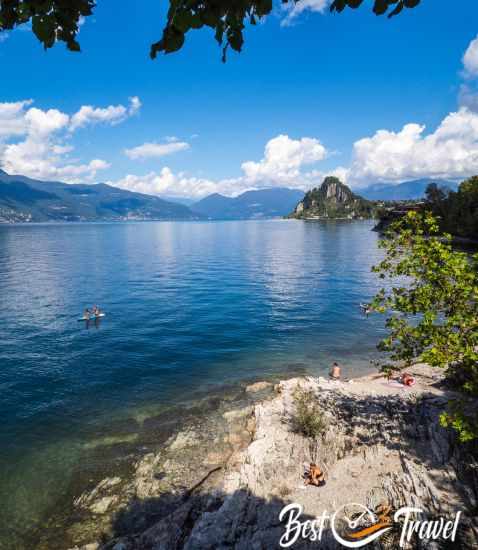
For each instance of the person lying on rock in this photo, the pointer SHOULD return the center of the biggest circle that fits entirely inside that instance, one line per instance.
(407, 379)
(314, 476)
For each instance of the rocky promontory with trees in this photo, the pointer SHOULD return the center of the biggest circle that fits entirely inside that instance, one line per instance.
(333, 200)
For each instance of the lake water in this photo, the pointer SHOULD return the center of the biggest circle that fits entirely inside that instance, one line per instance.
(190, 307)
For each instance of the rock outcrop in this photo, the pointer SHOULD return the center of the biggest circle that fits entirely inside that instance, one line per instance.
(382, 443)
(333, 200)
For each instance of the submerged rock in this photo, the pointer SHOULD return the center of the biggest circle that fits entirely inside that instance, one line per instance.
(258, 386)
(184, 439)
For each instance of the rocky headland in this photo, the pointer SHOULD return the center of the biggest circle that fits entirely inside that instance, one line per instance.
(334, 200)
(222, 481)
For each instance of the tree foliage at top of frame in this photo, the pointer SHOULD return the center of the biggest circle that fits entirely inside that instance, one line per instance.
(59, 20)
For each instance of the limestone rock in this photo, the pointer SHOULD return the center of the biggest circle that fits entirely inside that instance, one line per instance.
(102, 505)
(183, 439)
(381, 444)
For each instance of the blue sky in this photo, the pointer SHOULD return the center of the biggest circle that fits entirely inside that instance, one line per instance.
(312, 90)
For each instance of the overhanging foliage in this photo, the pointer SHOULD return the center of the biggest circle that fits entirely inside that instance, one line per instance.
(59, 20)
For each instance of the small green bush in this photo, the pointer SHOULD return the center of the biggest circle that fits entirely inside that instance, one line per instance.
(307, 418)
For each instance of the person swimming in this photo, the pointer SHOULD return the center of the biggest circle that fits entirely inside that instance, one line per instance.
(366, 309)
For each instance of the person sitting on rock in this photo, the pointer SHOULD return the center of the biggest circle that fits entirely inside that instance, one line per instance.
(335, 372)
(315, 476)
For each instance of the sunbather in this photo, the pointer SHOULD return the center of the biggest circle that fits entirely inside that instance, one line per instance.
(315, 476)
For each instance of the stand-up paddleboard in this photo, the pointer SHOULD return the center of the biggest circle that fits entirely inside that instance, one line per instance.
(93, 317)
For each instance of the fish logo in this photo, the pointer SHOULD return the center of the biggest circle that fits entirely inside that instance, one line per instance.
(361, 525)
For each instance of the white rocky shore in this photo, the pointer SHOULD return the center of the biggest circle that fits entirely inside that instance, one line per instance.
(223, 487)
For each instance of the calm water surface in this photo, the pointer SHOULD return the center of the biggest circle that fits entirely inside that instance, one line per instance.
(190, 307)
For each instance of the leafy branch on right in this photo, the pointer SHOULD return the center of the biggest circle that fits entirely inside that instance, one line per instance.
(432, 308)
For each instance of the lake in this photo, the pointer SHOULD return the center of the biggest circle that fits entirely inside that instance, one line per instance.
(190, 308)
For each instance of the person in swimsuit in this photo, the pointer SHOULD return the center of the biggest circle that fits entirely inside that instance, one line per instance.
(335, 372)
(407, 379)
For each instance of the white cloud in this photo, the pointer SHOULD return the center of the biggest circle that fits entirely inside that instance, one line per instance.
(156, 150)
(283, 159)
(468, 94)
(294, 10)
(41, 124)
(134, 105)
(43, 159)
(315, 177)
(12, 122)
(4, 36)
(78, 172)
(62, 149)
(168, 183)
(34, 142)
(470, 59)
(451, 151)
(282, 164)
(468, 97)
(114, 114)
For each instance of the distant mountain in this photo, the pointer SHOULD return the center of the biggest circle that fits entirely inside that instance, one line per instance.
(214, 206)
(178, 200)
(264, 203)
(333, 200)
(408, 190)
(27, 200)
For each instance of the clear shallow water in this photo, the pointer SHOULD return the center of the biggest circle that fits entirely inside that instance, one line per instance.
(190, 307)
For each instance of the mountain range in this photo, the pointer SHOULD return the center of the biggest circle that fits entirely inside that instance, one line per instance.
(24, 199)
(408, 190)
(263, 203)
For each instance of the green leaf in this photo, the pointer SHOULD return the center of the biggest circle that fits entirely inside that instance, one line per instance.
(44, 29)
(74, 46)
(183, 21)
(236, 40)
(380, 7)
